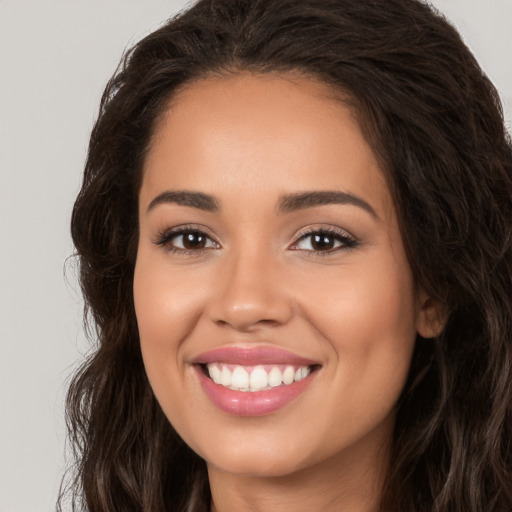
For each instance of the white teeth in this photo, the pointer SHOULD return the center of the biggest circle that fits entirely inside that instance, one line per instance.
(303, 373)
(259, 379)
(275, 377)
(289, 375)
(225, 377)
(242, 379)
(215, 374)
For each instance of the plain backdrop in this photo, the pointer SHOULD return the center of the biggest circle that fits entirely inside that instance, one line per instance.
(55, 59)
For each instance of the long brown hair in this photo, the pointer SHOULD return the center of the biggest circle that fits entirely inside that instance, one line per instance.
(435, 122)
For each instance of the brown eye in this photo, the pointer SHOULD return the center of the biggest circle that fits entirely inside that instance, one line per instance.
(186, 240)
(193, 240)
(324, 242)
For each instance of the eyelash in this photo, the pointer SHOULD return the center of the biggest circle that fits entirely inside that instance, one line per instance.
(165, 238)
(346, 241)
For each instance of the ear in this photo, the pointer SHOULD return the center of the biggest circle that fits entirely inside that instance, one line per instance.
(431, 318)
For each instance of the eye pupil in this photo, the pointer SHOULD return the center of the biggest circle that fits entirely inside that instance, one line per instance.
(194, 241)
(322, 242)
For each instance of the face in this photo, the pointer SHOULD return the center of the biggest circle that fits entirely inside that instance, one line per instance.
(275, 303)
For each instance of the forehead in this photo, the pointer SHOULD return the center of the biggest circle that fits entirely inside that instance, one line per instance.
(272, 133)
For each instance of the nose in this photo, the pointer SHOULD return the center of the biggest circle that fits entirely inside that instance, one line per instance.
(251, 294)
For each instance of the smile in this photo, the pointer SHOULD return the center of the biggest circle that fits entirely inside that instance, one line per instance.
(253, 381)
(255, 378)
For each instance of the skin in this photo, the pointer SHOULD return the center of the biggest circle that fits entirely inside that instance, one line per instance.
(247, 140)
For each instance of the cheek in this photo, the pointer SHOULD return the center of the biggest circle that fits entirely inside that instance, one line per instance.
(375, 297)
(368, 324)
(166, 302)
(165, 307)
(368, 320)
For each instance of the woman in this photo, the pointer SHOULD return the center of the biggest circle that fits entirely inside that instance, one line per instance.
(294, 242)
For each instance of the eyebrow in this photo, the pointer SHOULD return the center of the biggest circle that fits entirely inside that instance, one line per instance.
(184, 198)
(293, 202)
(287, 204)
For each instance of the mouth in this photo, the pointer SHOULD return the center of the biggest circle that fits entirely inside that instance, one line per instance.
(253, 381)
(255, 378)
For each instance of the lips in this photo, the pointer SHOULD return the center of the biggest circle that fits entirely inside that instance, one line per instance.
(253, 381)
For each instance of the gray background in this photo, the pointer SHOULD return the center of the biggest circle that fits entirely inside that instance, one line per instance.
(55, 59)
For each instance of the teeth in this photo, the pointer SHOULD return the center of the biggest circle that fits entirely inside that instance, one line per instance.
(302, 373)
(275, 377)
(225, 376)
(215, 373)
(289, 375)
(241, 378)
(259, 379)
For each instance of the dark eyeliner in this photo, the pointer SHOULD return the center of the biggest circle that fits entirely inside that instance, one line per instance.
(164, 238)
(347, 240)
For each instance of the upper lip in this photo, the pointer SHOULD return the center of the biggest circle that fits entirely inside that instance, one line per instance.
(252, 356)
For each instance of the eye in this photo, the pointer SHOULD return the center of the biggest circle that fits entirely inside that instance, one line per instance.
(324, 241)
(186, 240)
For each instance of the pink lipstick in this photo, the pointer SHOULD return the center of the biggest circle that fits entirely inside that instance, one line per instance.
(253, 381)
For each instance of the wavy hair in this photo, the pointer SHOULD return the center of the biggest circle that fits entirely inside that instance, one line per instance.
(435, 122)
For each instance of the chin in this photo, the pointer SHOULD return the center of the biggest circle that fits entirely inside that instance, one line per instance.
(257, 454)
(246, 464)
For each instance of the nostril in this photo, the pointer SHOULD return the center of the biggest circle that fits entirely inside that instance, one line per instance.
(246, 324)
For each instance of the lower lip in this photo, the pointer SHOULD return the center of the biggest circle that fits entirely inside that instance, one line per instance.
(252, 403)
